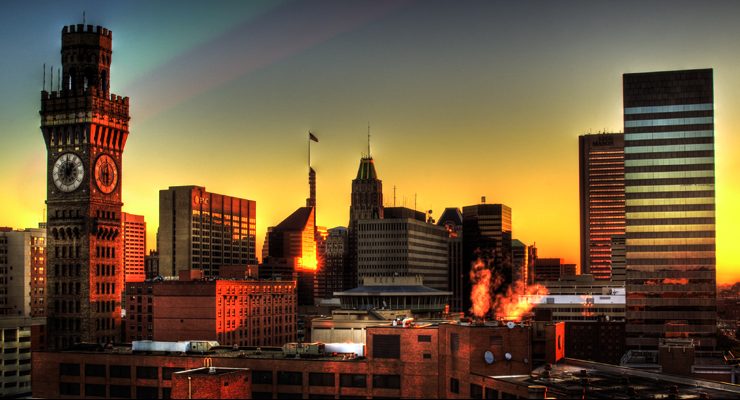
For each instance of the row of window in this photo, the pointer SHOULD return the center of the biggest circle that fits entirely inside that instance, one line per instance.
(327, 379)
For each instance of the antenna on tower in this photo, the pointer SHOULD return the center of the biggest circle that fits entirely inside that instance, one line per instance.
(83, 17)
(59, 75)
(368, 140)
(43, 86)
(394, 195)
(414, 201)
(51, 87)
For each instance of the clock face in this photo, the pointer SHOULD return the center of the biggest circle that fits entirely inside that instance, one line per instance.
(68, 172)
(106, 173)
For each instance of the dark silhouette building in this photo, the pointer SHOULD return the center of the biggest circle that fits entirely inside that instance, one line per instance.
(487, 236)
(366, 203)
(601, 178)
(452, 220)
(85, 129)
(670, 208)
(330, 277)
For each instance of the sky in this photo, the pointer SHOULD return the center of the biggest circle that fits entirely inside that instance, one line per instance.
(464, 99)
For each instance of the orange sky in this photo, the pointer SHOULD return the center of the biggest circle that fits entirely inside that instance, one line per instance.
(483, 101)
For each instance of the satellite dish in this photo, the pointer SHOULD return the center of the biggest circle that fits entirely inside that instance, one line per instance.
(488, 356)
(507, 356)
(510, 325)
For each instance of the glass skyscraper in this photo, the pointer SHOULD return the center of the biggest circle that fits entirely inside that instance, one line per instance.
(670, 207)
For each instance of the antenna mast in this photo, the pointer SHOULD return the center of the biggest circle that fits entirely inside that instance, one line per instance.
(368, 140)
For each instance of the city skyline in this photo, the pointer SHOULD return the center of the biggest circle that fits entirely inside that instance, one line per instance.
(238, 116)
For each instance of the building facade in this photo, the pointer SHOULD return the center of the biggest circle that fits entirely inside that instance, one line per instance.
(366, 203)
(670, 203)
(403, 246)
(202, 230)
(85, 129)
(151, 264)
(552, 269)
(232, 312)
(22, 272)
(451, 219)
(134, 247)
(486, 236)
(330, 277)
(601, 178)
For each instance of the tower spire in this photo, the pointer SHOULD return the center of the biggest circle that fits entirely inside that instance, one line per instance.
(368, 140)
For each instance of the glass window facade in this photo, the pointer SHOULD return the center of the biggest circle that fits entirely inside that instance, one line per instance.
(670, 220)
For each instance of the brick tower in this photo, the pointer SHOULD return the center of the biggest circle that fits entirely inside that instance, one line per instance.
(85, 130)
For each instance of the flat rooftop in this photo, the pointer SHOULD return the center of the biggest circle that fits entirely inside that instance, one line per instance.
(602, 381)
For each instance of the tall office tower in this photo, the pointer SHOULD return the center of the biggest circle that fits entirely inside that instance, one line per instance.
(403, 245)
(202, 230)
(292, 256)
(531, 260)
(85, 129)
(151, 264)
(553, 269)
(519, 262)
(619, 256)
(331, 276)
(22, 277)
(134, 247)
(601, 175)
(487, 235)
(669, 186)
(366, 203)
(452, 220)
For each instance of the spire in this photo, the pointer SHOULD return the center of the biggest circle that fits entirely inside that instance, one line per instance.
(369, 155)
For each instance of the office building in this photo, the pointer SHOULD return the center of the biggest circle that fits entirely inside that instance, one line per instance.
(520, 262)
(619, 259)
(330, 277)
(134, 247)
(403, 246)
(670, 203)
(552, 269)
(451, 219)
(22, 272)
(601, 176)
(202, 230)
(151, 264)
(366, 203)
(18, 337)
(232, 312)
(293, 253)
(395, 292)
(487, 236)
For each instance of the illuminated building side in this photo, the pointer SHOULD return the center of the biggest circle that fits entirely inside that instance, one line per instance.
(670, 192)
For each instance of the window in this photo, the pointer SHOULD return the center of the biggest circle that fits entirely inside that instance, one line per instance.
(386, 346)
(476, 391)
(69, 389)
(168, 371)
(353, 380)
(491, 393)
(120, 391)
(120, 371)
(387, 381)
(147, 392)
(94, 390)
(290, 378)
(320, 379)
(454, 342)
(146, 373)
(425, 338)
(262, 378)
(427, 356)
(69, 370)
(94, 370)
(454, 385)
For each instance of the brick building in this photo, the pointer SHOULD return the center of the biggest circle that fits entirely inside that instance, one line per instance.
(232, 312)
(426, 361)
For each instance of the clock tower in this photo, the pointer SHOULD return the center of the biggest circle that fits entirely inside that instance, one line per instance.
(85, 128)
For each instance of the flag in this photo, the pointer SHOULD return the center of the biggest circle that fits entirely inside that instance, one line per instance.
(312, 137)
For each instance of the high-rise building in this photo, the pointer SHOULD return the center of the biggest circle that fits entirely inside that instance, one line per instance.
(85, 129)
(202, 230)
(134, 247)
(520, 262)
(552, 269)
(452, 220)
(151, 264)
(292, 253)
(330, 277)
(403, 246)
(601, 173)
(619, 262)
(669, 189)
(22, 272)
(366, 203)
(487, 235)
